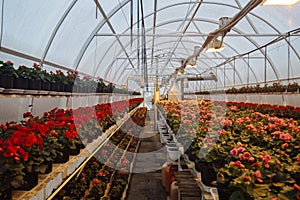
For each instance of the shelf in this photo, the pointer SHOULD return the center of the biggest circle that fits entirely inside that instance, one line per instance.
(276, 98)
(62, 173)
(208, 193)
(4, 91)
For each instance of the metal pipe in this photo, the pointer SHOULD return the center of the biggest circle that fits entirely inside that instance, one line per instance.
(191, 35)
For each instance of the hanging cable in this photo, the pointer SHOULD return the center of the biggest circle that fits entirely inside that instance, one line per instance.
(95, 56)
(138, 35)
(144, 53)
(2, 16)
(131, 22)
(96, 12)
(223, 30)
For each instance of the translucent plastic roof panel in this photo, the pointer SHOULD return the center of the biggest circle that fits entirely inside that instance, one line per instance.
(94, 37)
(72, 34)
(28, 24)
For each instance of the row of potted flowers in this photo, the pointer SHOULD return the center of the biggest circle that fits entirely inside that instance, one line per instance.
(36, 78)
(245, 153)
(106, 175)
(274, 87)
(27, 148)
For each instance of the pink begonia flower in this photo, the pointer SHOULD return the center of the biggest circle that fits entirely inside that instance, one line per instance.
(251, 159)
(285, 137)
(233, 108)
(96, 182)
(233, 152)
(247, 155)
(222, 132)
(258, 176)
(241, 149)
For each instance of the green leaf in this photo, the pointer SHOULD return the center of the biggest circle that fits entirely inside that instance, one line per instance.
(236, 196)
(282, 197)
(278, 184)
(260, 190)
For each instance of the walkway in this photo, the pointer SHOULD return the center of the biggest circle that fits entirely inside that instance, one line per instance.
(146, 182)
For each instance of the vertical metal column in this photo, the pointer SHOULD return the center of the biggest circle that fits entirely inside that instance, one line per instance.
(224, 75)
(217, 77)
(265, 65)
(233, 72)
(289, 57)
(248, 71)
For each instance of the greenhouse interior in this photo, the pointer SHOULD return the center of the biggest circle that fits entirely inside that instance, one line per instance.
(150, 100)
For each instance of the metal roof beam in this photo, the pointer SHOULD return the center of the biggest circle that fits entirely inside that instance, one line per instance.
(112, 30)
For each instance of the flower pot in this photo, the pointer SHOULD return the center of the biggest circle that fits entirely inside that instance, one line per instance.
(61, 88)
(68, 88)
(31, 180)
(45, 86)
(76, 150)
(99, 90)
(170, 177)
(34, 84)
(6, 82)
(208, 174)
(81, 145)
(54, 87)
(21, 83)
(224, 193)
(174, 191)
(44, 168)
(174, 153)
(64, 157)
(6, 194)
(77, 88)
(292, 89)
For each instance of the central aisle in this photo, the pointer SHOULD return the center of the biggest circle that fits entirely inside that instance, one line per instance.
(148, 185)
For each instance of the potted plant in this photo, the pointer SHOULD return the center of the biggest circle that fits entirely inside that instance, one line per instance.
(110, 88)
(89, 85)
(35, 76)
(293, 87)
(72, 76)
(21, 78)
(58, 81)
(12, 162)
(7, 73)
(45, 81)
(100, 85)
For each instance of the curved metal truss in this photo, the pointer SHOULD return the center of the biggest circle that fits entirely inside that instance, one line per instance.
(177, 43)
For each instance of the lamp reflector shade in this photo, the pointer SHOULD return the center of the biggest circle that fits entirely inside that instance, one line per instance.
(215, 46)
(280, 2)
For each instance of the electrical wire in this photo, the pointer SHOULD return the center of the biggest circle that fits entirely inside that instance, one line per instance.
(2, 19)
(123, 13)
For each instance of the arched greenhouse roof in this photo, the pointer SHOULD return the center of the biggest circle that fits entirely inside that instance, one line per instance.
(120, 40)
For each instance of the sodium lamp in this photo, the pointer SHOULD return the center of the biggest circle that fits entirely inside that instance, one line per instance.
(215, 46)
(280, 2)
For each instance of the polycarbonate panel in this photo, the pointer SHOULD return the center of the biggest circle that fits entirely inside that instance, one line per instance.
(13, 107)
(41, 105)
(294, 59)
(257, 65)
(284, 18)
(279, 54)
(73, 33)
(16, 60)
(215, 11)
(28, 24)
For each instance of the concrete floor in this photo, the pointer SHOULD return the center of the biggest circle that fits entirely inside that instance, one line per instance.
(146, 182)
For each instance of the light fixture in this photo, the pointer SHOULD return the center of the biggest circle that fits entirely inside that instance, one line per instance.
(191, 64)
(280, 2)
(215, 46)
